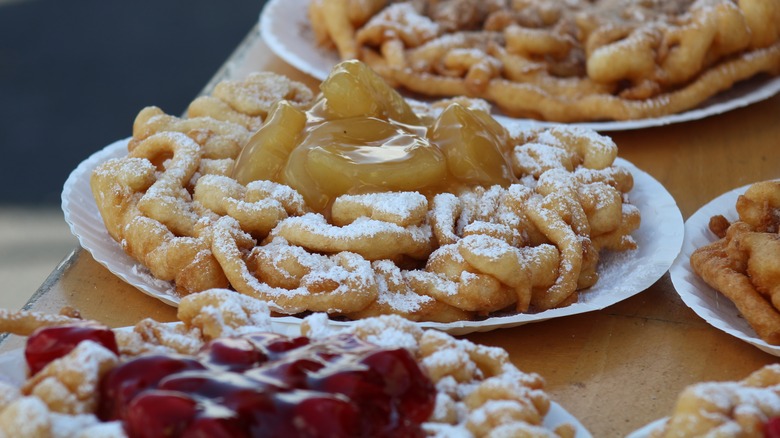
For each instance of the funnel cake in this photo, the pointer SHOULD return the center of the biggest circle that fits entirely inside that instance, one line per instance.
(219, 371)
(357, 203)
(743, 263)
(567, 61)
(746, 408)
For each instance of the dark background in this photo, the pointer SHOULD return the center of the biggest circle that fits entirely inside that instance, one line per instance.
(74, 73)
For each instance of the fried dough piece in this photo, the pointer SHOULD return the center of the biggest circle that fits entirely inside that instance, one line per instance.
(563, 61)
(739, 408)
(744, 263)
(361, 203)
(712, 264)
(760, 206)
(763, 263)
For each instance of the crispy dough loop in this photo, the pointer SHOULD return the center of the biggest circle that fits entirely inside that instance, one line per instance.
(763, 251)
(626, 53)
(219, 139)
(615, 176)
(259, 206)
(620, 238)
(221, 312)
(117, 185)
(150, 336)
(150, 212)
(551, 220)
(187, 261)
(763, 19)
(577, 61)
(372, 239)
(449, 279)
(496, 211)
(399, 208)
(523, 269)
(24, 322)
(592, 151)
(344, 284)
(215, 108)
(397, 297)
(399, 21)
(167, 200)
(259, 91)
(600, 204)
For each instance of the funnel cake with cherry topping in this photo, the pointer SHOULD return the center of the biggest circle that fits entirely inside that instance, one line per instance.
(221, 372)
(746, 408)
(356, 203)
(564, 61)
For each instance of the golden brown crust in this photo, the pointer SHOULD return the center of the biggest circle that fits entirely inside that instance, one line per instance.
(523, 234)
(478, 390)
(743, 264)
(567, 61)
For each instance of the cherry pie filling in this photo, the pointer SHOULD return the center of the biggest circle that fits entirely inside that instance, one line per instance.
(257, 384)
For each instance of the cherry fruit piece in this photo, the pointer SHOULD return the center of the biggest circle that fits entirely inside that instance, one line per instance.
(772, 428)
(275, 345)
(158, 413)
(122, 384)
(232, 354)
(49, 343)
(327, 416)
(412, 391)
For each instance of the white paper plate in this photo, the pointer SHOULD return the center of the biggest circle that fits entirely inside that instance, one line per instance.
(13, 369)
(622, 275)
(709, 304)
(284, 26)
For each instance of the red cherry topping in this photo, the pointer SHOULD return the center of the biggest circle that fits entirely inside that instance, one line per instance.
(274, 344)
(158, 413)
(412, 392)
(49, 343)
(214, 427)
(232, 354)
(123, 383)
(327, 416)
(265, 384)
(772, 428)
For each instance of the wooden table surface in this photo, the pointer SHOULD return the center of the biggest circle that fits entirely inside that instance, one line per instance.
(616, 369)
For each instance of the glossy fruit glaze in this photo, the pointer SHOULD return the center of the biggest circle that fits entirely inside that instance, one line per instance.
(265, 384)
(772, 428)
(49, 343)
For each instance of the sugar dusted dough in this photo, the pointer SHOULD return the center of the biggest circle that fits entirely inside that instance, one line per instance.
(479, 392)
(465, 220)
(564, 61)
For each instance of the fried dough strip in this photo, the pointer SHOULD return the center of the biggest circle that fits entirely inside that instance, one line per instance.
(370, 238)
(347, 286)
(520, 268)
(24, 322)
(553, 225)
(167, 200)
(259, 206)
(712, 264)
(341, 30)
(763, 251)
(186, 260)
(523, 99)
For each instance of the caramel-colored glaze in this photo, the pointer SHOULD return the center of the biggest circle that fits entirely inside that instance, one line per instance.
(334, 149)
